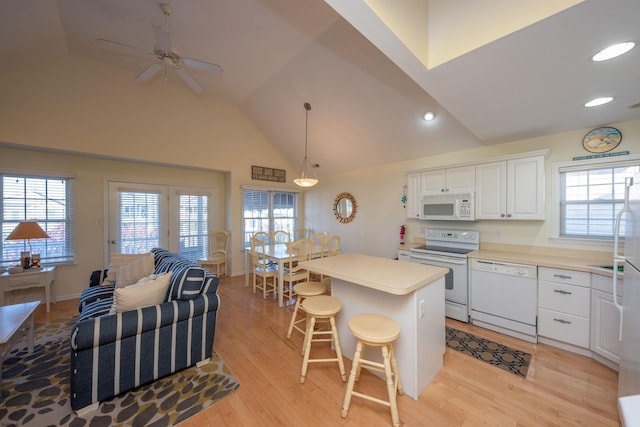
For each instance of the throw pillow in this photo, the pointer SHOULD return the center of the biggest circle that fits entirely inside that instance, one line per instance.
(130, 273)
(186, 282)
(116, 261)
(145, 293)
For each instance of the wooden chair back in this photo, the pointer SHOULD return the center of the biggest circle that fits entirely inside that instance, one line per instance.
(281, 236)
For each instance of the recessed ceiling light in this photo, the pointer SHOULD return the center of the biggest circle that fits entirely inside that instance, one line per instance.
(613, 51)
(599, 101)
(429, 115)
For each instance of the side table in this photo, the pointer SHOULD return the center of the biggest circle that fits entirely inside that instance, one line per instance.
(32, 278)
(14, 318)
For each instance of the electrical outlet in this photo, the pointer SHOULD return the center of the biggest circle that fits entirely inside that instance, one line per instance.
(421, 308)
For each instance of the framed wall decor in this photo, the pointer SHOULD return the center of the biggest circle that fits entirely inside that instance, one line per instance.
(601, 140)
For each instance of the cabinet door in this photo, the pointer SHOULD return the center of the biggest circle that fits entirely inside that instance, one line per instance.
(433, 182)
(525, 188)
(491, 186)
(605, 323)
(461, 180)
(414, 195)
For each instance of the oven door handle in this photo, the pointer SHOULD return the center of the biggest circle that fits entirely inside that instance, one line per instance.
(436, 258)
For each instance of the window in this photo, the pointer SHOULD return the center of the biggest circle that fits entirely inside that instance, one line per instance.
(47, 200)
(590, 196)
(268, 211)
(145, 216)
(194, 226)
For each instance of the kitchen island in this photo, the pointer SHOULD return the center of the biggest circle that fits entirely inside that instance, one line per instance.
(411, 294)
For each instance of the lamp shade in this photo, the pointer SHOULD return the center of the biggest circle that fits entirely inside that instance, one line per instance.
(27, 230)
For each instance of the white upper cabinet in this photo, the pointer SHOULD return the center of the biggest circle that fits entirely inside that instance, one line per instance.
(511, 189)
(452, 180)
(414, 195)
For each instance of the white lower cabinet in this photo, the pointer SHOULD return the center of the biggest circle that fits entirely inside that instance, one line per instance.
(564, 306)
(404, 255)
(605, 321)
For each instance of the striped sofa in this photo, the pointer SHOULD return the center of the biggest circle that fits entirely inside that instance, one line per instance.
(114, 353)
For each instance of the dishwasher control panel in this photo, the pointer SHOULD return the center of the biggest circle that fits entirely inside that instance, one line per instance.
(505, 268)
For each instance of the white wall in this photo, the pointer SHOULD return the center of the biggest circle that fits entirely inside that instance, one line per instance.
(80, 106)
(378, 192)
(91, 176)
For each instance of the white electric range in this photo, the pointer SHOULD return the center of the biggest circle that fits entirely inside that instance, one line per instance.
(449, 249)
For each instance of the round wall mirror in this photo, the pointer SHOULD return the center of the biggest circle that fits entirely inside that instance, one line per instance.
(345, 207)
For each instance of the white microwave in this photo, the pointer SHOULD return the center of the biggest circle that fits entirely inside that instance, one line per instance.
(449, 207)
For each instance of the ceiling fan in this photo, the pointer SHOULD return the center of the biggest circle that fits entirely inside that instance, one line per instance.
(167, 55)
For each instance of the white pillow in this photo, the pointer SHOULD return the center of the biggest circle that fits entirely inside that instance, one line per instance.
(130, 273)
(148, 291)
(116, 261)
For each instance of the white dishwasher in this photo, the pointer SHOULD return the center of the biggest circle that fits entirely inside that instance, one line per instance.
(504, 297)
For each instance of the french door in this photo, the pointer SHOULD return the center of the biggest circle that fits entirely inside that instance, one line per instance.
(138, 217)
(145, 216)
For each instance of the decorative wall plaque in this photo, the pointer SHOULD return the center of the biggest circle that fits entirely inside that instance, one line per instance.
(601, 140)
(263, 173)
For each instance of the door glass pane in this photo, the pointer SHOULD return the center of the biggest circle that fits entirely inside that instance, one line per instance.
(194, 227)
(139, 222)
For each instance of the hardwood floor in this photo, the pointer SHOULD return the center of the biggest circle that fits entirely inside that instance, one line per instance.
(561, 389)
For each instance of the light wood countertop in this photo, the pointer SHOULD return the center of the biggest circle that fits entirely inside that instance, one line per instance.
(570, 259)
(383, 274)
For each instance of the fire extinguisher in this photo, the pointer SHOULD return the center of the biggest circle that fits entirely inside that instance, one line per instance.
(402, 231)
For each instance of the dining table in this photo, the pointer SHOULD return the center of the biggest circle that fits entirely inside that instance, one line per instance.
(278, 253)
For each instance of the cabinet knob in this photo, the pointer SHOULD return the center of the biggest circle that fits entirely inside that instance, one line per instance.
(502, 215)
(508, 215)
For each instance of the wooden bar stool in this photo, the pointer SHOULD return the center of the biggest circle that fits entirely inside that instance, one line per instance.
(303, 290)
(323, 308)
(375, 330)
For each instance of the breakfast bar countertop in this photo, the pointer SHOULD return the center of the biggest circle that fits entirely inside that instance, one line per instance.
(383, 274)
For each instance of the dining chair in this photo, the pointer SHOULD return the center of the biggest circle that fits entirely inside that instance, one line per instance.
(264, 275)
(330, 246)
(262, 236)
(266, 239)
(299, 250)
(218, 249)
(281, 236)
(301, 233)
(318, 236)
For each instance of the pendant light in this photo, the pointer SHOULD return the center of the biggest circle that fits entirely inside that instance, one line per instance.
(307, 177)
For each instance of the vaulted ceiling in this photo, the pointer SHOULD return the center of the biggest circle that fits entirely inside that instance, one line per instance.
(509, 74)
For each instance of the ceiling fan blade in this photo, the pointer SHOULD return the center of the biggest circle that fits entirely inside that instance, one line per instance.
(207, 66)
(189, 80)
(149, 72)
(163, 41)
(122, 46)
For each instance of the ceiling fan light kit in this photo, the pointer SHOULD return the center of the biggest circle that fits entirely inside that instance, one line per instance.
(168, 57)
(307, 176)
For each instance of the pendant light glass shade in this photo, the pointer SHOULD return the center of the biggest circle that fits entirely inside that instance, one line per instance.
(307, 177)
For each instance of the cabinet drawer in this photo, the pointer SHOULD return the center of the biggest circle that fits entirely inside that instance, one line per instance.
(30, 280)
(579, 278)
(563, 327)
(568, 299)
(404, 255)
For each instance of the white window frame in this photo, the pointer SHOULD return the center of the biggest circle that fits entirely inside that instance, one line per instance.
(598, 163)
(39, 245)
(271, 218)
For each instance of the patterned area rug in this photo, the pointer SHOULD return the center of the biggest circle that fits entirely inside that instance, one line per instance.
(35, 389)
(507, 358)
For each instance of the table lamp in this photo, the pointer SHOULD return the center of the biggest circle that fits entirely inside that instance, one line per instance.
(27, 230)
